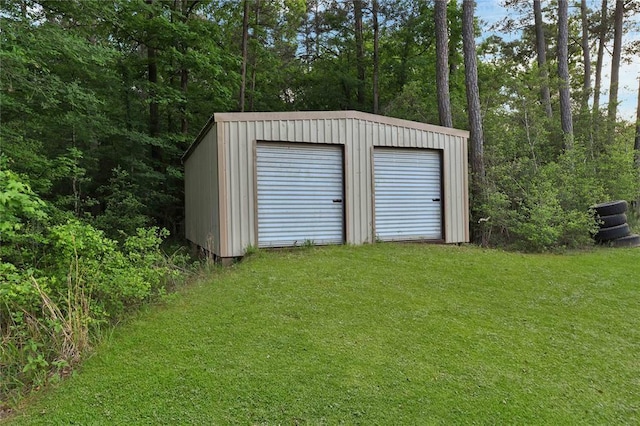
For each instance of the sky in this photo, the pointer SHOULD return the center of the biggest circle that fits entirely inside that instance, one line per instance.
(492, 11)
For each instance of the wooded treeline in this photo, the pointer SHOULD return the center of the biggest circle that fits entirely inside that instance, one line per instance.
(100, 98)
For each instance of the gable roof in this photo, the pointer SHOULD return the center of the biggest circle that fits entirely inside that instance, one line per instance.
(317, 115)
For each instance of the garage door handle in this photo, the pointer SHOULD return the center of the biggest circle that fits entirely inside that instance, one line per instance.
(436, 199)
(337, 200)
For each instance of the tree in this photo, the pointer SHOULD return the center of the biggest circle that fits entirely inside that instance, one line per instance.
(442, 63)
(152, 70)
(602, 38)
(187, 7)
(375, 10)
(476, 141)
(254, 67)
(636, 145)
(245, 42)
(563, 72)
(541, 50)
(586, 56)
(408, 56)
(612, 110)
(359, 35)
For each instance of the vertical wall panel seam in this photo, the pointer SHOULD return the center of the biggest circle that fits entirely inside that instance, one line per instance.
(235, 140)
(465, 166)
(254, 171)
(347, 191)
(222, 192)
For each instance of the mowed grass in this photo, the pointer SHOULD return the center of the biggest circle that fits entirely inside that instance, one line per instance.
(377, 334)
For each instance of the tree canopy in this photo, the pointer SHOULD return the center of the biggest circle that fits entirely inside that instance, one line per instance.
(101, 97)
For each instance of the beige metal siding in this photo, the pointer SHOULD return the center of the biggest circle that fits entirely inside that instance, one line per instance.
(238, 133)
(454, 148)
(457, 200)
(202, 222)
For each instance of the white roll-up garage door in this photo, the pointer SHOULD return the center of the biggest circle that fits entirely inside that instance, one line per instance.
(408, 196)
(300, 194)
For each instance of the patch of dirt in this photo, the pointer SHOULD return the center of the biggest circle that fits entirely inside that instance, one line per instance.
(5, 413)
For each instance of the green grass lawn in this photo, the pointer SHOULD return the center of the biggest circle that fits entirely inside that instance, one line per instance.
(375, 334)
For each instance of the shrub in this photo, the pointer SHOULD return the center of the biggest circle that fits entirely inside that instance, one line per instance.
(61, 281)
(540, 207)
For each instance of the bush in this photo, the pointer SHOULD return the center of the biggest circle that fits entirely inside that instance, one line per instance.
(60, 282)
(123, 210)
(539, 207)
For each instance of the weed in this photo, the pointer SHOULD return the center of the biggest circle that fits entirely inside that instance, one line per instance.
(250, 250)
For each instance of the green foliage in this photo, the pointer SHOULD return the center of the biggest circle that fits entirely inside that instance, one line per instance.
(251, 250)
(616, 170)
(75, 97)
(540, 193)
(542, 207)
(60, 281)
(124, 211)
(18, 205)
(23, 217)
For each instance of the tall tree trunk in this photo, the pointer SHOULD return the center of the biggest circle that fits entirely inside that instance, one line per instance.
(357, 13)
(442, 64)
(172, 76)
(541, 50)
(376, 60)
(402, 74)
(476, 142)
(152, 69)
(602, 38)
(566, 118)
(184, 82)
(254, 66)
(187, 8)
(124, 72)
(245, 43)
(317, 26)
(586, 56)
(636, 145)
(308, 40)
(612, 110)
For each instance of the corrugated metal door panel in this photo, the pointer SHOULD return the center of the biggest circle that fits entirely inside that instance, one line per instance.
(300, 194)
(408, 200)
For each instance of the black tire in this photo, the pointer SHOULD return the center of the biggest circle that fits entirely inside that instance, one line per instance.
(611, 208)
(628, 241)
(611, 220)
(613, 233)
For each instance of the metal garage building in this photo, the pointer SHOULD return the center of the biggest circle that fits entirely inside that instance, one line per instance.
(284, 179)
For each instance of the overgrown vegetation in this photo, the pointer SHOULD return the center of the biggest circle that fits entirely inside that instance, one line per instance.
(539, 192)
(377, 334)
(62, 282)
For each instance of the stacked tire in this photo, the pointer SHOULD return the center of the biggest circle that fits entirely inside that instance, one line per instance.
(614, 229)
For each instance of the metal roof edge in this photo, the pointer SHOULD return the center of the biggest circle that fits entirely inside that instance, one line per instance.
(358, 115)
(318, 115)
(198, 138)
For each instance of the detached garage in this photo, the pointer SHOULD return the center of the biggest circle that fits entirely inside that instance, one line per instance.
(296, 178)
